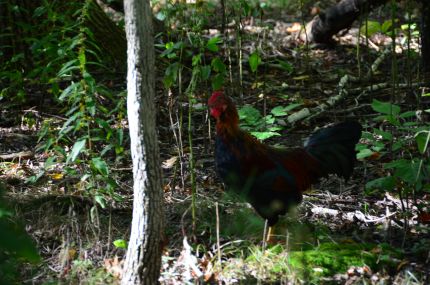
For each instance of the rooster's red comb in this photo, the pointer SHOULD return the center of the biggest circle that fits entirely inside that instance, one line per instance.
(215, 95)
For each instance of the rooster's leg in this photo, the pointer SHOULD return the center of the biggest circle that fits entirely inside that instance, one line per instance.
(269, 235)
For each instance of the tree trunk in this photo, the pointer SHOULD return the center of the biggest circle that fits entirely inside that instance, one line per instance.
(143, 261)
(339, 17)
(17, 27)
(14, 35)
(118, 6)
(106, 33)
(425, 36)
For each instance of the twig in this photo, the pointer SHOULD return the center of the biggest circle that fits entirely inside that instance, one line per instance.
(309, 114)
(184, 234)
(350, 215)
(177, 136)
(19, 155)
(217, 235)
(265, 235)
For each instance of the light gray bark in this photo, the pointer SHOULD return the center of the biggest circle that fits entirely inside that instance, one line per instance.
(143, 260)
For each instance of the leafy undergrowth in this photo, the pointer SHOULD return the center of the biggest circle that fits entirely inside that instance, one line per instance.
(314, 264)
(79, 211)
(312, 248)
(306, 251)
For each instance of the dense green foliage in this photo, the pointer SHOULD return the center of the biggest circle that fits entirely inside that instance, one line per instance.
(52, 57)
(16, 247)
(407, 141)
(64, 59)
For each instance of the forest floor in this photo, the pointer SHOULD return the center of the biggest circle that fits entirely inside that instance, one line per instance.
(342, 233)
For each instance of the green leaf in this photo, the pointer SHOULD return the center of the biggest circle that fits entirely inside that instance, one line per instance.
(378, 144)
(269, 119)
(100, 165)
(386, 26)
(17, 57)
(120, 136)
(119, 150)
(5, 213)
(385, 183)
(197, 59)
(93, 214)
(398, 145)
(218, 81)
(275, 128)
(70, 120)
(408, 114)
(71, 89)
(90, 104)
(107, 148)
(172, 55)
(372, 28)
(406, 27)
(76, 150)
(16, 242)
(168, 49)
(218, 65)
(82, 59)
(100, 200)
(410, 124)
(385, 108)
(103, 124)
(385, 135)
(120, 243)
(39, 11)
(212, 44)
(393, 120)
(205, 72)
(171, 74)
(264, 135)
(179, 45)
(286, 65)
(279, 111)
(246, 8)
(405, 169)
(33, 179)
(422, 138)
(250, 115)
(368, 136)
(49, 162)
(161, 15)
(292, 106)
(363, 153)
(67, 67)
(254, 61)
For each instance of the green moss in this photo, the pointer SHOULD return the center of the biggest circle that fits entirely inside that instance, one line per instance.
(331, 258)
(310, 265)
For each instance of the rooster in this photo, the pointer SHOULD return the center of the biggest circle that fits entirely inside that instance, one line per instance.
(273, 179)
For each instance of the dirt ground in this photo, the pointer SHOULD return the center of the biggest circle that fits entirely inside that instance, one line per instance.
(67, 227)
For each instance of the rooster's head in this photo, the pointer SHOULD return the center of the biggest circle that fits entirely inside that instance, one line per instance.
(218, 103)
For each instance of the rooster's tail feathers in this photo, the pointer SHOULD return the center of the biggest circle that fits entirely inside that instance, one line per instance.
(334, 148)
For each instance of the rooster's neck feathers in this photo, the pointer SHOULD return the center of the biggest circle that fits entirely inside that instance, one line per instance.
(228, 122)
